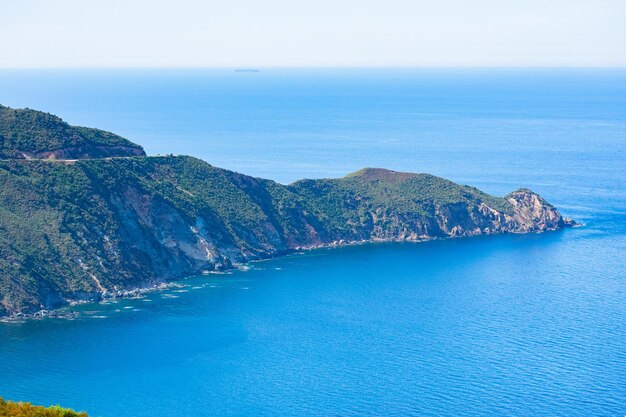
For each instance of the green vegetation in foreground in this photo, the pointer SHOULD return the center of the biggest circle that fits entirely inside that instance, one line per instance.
(20, 409)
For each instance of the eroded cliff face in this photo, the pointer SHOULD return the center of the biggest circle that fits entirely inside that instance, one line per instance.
(529, 213)
(100, 228)
(533, 214)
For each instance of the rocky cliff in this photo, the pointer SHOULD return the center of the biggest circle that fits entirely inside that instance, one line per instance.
(92, 228)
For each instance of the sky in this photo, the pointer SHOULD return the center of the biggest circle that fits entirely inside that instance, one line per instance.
(311, 33)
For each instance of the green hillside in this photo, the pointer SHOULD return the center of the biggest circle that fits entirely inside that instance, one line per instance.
(26, 133)
(97, 227)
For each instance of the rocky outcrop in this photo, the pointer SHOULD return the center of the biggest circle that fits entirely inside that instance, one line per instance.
(531, 213)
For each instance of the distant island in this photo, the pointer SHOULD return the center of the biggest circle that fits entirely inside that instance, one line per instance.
(86, 215)
(247, 70)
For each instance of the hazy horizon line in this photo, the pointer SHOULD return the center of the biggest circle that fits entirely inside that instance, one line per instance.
(260, 67)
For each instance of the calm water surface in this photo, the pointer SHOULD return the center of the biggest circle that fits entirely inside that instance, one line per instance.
(510, 325)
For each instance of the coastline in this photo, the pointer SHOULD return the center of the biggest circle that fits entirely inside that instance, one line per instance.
(64, 312)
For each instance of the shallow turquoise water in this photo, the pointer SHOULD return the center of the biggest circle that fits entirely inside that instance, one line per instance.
(508, 325)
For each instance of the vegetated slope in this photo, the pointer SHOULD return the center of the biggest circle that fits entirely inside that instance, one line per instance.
(26, 133)
(85, 229)
(73, 231)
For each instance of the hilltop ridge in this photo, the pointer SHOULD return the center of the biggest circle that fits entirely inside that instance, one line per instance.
(381, 174)
(32, 134)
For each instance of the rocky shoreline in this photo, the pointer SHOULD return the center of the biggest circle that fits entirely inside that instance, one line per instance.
(137, 293)
(66, 313)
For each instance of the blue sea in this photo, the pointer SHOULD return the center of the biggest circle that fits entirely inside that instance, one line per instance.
(521, 325)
